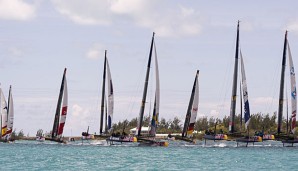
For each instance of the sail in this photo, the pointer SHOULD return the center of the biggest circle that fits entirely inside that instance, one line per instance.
(234, 89)
(141, 114)
(293, 90)
(245, 94)
(10, 113)
(192, 109)
(58, 109)
(110, 97)
(3, 114)
(281, 90)
(63, 110)
(103, 95)
(154, 121)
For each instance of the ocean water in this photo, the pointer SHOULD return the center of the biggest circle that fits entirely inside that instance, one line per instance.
(95, 155)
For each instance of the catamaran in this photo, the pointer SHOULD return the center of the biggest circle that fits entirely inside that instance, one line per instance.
(7, 117)
(61, 112)
(191, 113)
(287, 137)
(150, 139)
(107, 108)
(247, 139)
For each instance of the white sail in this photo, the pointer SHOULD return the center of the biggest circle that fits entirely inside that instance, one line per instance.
(110, 97)
(10, 114)
(293, 90)
(154, 121)
(245, 94)
(194, 109)
(64, 109)
(3, 114)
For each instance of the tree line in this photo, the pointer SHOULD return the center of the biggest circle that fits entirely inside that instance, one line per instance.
(258, 122)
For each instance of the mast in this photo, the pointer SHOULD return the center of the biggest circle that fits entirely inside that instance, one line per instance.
(192, 106)
(281, 90)
(141, 114)
(58, 109)
(234, 90)
(103, 94)
(293, 91)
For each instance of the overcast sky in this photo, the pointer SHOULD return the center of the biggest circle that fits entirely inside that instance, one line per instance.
(38, 38)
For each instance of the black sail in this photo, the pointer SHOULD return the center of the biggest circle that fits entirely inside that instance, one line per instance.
(141, 114)
(234, 90)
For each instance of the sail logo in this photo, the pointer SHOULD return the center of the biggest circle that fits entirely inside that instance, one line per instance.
(294, 93)
(292, 72)
(195, 109)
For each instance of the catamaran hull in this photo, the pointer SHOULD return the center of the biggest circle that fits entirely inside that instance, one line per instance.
(119, 140)
(216, 137)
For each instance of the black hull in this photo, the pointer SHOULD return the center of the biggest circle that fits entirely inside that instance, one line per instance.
(56, 140)
(112, 140)
(151, 142)
(247, 140)
(190, 140)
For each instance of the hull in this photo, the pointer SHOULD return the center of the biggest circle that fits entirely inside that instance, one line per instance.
(292, 142)
(55, 140)
(267, 137)
(216, 137)
(184, 139)
(40, 139)
(121, 139)
(152, 142)
(248, 140)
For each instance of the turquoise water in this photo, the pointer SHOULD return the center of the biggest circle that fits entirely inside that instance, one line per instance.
(26, 155)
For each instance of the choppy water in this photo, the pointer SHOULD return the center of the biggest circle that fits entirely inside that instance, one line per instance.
(26, 155)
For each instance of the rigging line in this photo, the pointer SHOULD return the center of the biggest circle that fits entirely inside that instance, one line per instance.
(227, 84)
(138, 82)
(273, 89)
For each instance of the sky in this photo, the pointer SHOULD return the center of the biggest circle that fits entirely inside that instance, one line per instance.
(39, 38)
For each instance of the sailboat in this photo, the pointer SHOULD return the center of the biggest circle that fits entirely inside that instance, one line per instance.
(191, 113)
(149, 140)
(61, 112)
(247, 139)
(288, 137)
(107, 108)
(7, 117)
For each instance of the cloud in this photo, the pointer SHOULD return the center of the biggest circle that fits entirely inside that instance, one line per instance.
(85, 12)
(16, 10)
(261, 101)
(95, 52)
(172, 20)
(293, 26)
